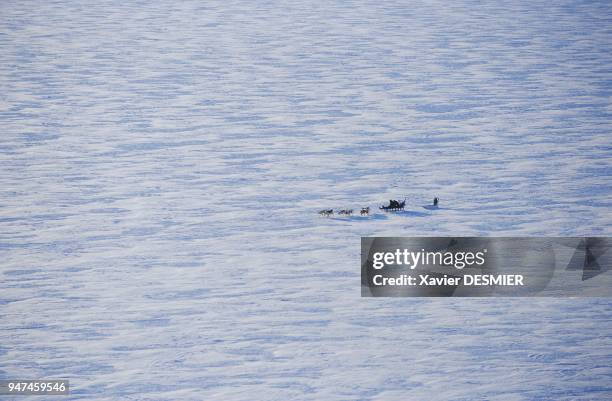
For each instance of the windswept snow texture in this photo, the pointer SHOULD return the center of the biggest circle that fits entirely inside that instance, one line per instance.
(162, 165)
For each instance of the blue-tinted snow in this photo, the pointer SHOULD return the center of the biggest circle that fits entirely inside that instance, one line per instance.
(162, 164)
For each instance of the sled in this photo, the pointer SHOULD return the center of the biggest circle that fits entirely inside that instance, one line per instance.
(394, 206)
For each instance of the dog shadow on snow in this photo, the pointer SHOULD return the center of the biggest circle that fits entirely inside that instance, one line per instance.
(376, 216)
(382, 215)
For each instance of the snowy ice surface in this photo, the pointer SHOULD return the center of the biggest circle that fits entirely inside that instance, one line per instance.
(162, 164)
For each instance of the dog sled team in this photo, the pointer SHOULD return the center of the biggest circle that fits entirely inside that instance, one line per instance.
(394, 205)
(344, 212)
